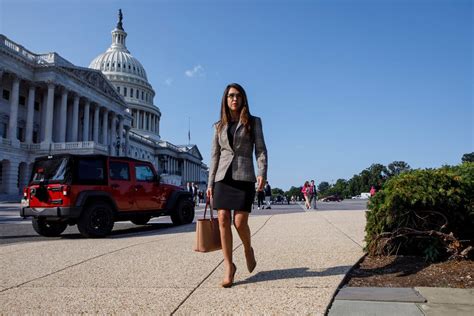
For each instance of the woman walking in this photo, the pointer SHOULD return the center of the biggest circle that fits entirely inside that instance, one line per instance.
(231, 175)
(306, 190)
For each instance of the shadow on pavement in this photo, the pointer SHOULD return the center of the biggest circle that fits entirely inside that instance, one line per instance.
(144, 230)
(154, 229)
(293, 273)
(401, 266)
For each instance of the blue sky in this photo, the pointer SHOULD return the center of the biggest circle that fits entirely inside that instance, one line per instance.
(339, 85)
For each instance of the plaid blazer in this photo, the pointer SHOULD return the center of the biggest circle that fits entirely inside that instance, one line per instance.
(240, 159)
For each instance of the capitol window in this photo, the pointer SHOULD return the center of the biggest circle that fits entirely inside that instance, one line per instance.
(136, 95)
(125, 91)
(142, 95)
(3, 129)
(131, 92)
(118, 89)
(6, 94)
(22, 100)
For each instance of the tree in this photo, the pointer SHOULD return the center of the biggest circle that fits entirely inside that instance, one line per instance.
(277, 191)
(339, 187)
(397, 167)
(294, 191)
(323, 187)
(468, 157)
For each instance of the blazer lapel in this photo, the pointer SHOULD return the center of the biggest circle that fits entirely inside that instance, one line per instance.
(224, 137)
(239, 125)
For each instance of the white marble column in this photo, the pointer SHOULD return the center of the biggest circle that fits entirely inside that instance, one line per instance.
(127, 140)
(75, 118)
(15, 95)
(113, 133)
(85, 128)
(158, 125)
(30, 114)
(105, 127)
(63, 116)
(135, 119)
(120, 134)
(95, 133)
(48, 131)
(44, 105)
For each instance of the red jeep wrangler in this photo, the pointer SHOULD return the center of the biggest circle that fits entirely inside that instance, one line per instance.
(94, 191)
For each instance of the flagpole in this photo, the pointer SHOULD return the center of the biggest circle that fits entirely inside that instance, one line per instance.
(189, 130)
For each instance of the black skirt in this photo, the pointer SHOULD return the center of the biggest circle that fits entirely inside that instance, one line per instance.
(230, 194)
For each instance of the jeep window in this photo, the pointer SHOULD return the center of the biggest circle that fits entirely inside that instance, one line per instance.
(119, 171)
(144, 173)
(91, 171)
(52, 170)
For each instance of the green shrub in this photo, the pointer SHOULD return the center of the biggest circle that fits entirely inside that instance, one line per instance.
(423, 212)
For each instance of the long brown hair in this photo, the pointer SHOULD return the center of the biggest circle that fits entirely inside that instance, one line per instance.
(244, 111)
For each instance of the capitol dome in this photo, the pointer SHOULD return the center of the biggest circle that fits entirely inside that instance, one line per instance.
(129, 77)
(119, 60)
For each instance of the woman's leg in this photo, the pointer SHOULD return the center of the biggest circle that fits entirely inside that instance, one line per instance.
(241, 224)
(226, 242)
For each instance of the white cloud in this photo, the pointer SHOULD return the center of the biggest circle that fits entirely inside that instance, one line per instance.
(196, 71)
(169, 81)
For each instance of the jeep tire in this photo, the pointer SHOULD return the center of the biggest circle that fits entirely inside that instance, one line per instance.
(184, 213)
(48, 228)
(141, 219)
(96, 221)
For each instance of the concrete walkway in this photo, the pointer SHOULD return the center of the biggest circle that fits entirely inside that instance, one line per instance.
(418, 301)
(302, 259)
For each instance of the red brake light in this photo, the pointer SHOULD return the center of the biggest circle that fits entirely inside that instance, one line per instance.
(66, 189)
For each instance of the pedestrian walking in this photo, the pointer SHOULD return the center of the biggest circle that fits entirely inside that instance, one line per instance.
(260, 199)
(313, 196)
(372, 191)
(231, 173)
(306, 190)
(268, 194)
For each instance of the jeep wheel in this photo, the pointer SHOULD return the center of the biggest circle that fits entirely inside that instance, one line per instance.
(48, 228)
(97, 220)
(141, 220)
(184, 213)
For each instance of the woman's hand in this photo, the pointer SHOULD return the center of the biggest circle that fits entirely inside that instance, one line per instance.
(260, 183)
(209, 193)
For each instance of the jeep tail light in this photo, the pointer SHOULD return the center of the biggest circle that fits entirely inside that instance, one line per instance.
(66, 189)
(25, 192)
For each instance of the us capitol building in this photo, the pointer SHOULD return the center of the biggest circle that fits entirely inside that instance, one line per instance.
(50, 106)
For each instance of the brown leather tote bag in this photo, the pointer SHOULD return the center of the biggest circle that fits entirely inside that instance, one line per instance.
(208, 237)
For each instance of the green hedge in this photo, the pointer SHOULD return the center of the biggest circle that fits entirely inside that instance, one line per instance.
(423, 212)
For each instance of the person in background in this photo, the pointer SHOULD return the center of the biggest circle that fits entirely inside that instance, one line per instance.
(195, 194)
(231, 185)
(268, 194)
(306, 193)
(372, 191)
(260, 199)
(314, 195)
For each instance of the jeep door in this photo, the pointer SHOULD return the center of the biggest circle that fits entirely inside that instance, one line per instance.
(146, 196)
(120, 184)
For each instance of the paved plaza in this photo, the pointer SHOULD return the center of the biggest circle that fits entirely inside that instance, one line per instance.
(303, 256)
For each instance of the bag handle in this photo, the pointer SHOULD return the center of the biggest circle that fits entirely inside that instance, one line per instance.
(209, 202)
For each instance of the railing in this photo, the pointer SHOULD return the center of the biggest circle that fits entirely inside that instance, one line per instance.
(164, 143)
(49, 58)
(79, 145)
(6, 141)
